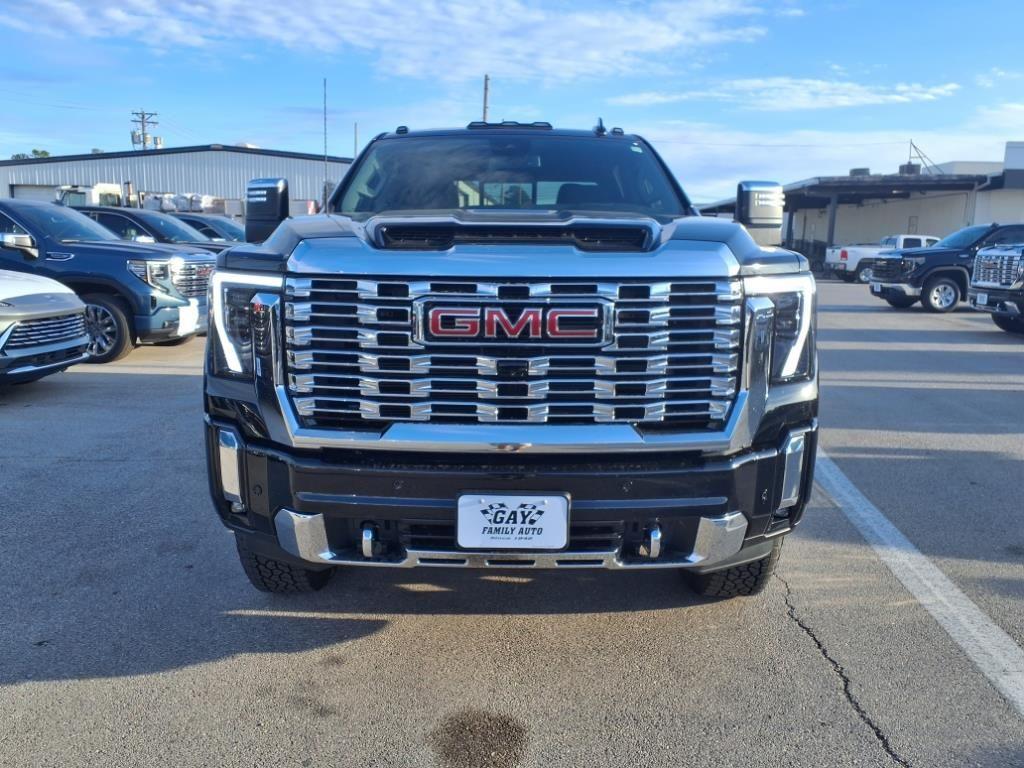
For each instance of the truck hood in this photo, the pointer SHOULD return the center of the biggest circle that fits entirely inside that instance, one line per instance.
(685, 247)
(131, 250)
(933, 251)
(15, 284)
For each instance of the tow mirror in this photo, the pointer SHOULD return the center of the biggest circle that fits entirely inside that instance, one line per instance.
(266, 206)
(24, 243)
(759, 208)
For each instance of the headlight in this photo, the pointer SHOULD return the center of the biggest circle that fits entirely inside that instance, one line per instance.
(912, 263)
(155, 273)
(238, 319)
(793, 351)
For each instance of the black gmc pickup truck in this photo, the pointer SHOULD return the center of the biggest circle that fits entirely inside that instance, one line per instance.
(938, 276)
(509, 346)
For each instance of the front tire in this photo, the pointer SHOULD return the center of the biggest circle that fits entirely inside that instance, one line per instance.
(902, 302)
(1009, 324)
(111, 335)
(270, 575)
(865, 274)
(739, 581)
(941, 294)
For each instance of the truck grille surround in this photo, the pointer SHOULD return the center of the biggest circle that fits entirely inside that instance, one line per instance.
(192, 278)
(357, 355)
(1000, 270)
(887, 269)
(46, 331)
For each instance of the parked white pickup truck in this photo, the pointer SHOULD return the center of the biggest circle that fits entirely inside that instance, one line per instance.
(855, 262)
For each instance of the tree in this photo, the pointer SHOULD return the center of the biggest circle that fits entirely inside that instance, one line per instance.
(36, 153)
(96, 151)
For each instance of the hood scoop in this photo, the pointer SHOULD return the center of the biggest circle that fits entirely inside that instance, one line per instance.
(441, 237)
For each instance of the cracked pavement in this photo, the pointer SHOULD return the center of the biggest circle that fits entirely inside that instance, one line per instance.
(129, 636)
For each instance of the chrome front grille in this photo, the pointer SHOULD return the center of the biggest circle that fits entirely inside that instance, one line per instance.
(998, 270)
(45, 331)
(356, 356)
(192, 277)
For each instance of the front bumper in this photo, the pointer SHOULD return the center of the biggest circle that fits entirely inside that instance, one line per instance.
(399, 510)
(173, 322)
(895, 290)
(998, 301)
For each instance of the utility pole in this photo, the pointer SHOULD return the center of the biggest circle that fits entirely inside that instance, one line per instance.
(145, 121)
(487, 93)
(323, 201)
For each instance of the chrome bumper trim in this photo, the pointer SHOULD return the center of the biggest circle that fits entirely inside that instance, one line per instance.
(228, 456)
(40, 368)
(792, 453)
(906, 289)
(305, 537)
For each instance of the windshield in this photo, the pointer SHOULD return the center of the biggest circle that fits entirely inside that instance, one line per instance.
(227, 228)
(483, 172)
(170, 229)
(963, 237)
(63, 224)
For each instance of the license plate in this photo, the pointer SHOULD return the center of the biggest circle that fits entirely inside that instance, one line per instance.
(498, 521)
(876, 287)
(982, 299)
(188, 318)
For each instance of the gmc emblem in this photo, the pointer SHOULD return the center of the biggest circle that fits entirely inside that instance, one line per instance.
(580, 324)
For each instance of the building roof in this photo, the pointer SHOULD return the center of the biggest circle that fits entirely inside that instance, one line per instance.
(178, 151)
(817, 192)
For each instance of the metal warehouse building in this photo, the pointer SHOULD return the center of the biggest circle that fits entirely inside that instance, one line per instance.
(865, 207)
(218, 170)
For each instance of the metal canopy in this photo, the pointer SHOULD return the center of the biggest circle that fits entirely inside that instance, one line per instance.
(819, 192)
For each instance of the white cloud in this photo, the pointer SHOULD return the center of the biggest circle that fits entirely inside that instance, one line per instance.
(454, 40)
(991, 78)
(781, 94)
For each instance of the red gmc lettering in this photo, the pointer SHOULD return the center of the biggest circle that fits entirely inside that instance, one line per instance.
(555, 330)
(496, 316)
(465, 321)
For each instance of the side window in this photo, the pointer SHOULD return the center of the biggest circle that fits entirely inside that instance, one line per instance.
(206, 229)
(8, 227)
(912, 242)
(121, 226)
(1006, 236)
(930, 241)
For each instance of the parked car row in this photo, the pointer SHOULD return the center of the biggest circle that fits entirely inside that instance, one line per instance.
(131, 291)
(982, 263)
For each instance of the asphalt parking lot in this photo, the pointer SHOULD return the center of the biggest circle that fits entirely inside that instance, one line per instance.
(129, 635)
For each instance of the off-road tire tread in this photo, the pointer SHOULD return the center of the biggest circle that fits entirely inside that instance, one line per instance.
(740, 580)
(270, 575)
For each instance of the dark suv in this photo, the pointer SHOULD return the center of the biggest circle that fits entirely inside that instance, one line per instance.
(155, 226)
(938, 276)
(132, 291)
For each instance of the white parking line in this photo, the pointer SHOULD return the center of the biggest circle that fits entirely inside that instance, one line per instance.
(990, 648)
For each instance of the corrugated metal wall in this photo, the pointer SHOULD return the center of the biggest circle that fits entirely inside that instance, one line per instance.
(211, 172)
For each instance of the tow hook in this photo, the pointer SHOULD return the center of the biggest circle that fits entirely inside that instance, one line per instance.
(651, 547)
(369, 541)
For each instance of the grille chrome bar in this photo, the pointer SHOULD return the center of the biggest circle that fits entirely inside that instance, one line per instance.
(48, 330)
(353, 354)
(192, 278)
(998, 267)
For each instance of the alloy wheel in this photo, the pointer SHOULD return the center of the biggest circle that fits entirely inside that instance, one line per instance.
(102, 329)
(944, 296)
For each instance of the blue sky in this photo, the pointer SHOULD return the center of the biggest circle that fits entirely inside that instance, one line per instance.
(726, 89)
